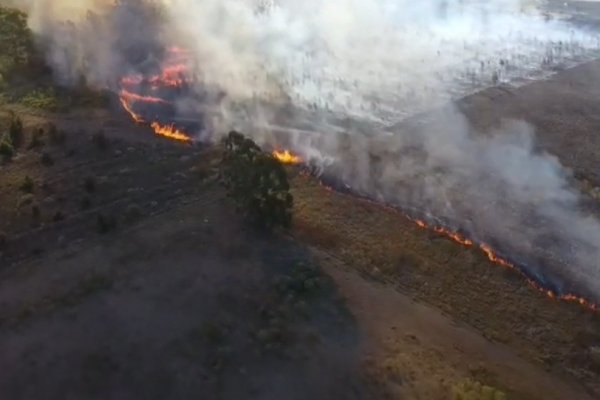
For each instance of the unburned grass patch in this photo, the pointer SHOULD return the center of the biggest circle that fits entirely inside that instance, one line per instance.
(458, 280)
(41, 99)
(474, 390)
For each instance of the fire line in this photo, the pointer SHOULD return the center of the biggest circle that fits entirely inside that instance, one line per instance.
(169, 131)
(496, 259)
(285, 157)
(173, 76)
(488, 251)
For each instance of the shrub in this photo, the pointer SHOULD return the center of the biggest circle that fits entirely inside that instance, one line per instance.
(41, 99)
(15, 131)
(7, 150)
(47, 159)
(36, 212)
(257, 182)
(36, 139)
(27, 185)
(472, 390)
(25, 200)
(58, 216)
(56, 137)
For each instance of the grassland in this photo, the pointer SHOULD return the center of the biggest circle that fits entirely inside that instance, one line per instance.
(463, 283)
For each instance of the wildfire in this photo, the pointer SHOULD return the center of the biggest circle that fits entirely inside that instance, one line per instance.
(172, 75)
(132, 80)
(169, 131)
(129, 96)
(286, 157)
(136, 117)
(496, 259)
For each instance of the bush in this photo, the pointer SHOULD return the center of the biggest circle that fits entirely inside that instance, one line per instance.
(36, 212)
(15, 131)
(27, 185)
(257, 182)
(58, 216)
(7, 151)
(25, 200)
(472, 390)
(36, 139)
(56, 136)
(47, 159)
(41, 99)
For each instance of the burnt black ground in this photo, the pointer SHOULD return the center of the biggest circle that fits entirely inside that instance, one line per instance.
(188, 304)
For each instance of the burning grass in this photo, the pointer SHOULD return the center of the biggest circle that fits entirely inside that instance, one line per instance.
(460, 280)
(286, 157)
(170, 132)
(485, 248)
(134, 87)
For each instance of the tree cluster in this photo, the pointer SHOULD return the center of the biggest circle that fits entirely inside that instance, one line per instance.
(11, 140)
(257, 182)
(16, 41)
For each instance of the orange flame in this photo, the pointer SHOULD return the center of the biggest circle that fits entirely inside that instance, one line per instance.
(169, 131)
(487, 250)
(144, 99)
(496, 259)
(136, 117)
(132, 80)
(172, 76)
(285, 157)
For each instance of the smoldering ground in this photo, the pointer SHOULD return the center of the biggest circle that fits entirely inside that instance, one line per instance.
(346, 72)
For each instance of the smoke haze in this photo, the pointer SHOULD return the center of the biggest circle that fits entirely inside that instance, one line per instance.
(334, 80)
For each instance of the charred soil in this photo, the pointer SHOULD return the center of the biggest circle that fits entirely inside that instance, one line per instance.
(125, 273)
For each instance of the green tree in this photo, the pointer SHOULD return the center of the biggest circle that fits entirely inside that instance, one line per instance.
(16, 41)
(257, 182)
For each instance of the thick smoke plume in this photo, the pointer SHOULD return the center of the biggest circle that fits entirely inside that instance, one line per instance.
(337, 80)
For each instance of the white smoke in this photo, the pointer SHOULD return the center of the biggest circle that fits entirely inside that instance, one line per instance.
(382, 60)
(314, 64)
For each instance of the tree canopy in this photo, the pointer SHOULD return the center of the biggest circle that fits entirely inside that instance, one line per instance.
(257, 182)
(16, 40)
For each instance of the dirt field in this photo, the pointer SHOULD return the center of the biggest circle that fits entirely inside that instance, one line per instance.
(135, 279)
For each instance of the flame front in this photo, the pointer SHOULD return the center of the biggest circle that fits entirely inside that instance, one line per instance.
(496, 259)
(286, 157)
(169, 131)
(173, 75)
(129, 96)
(127, 107)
